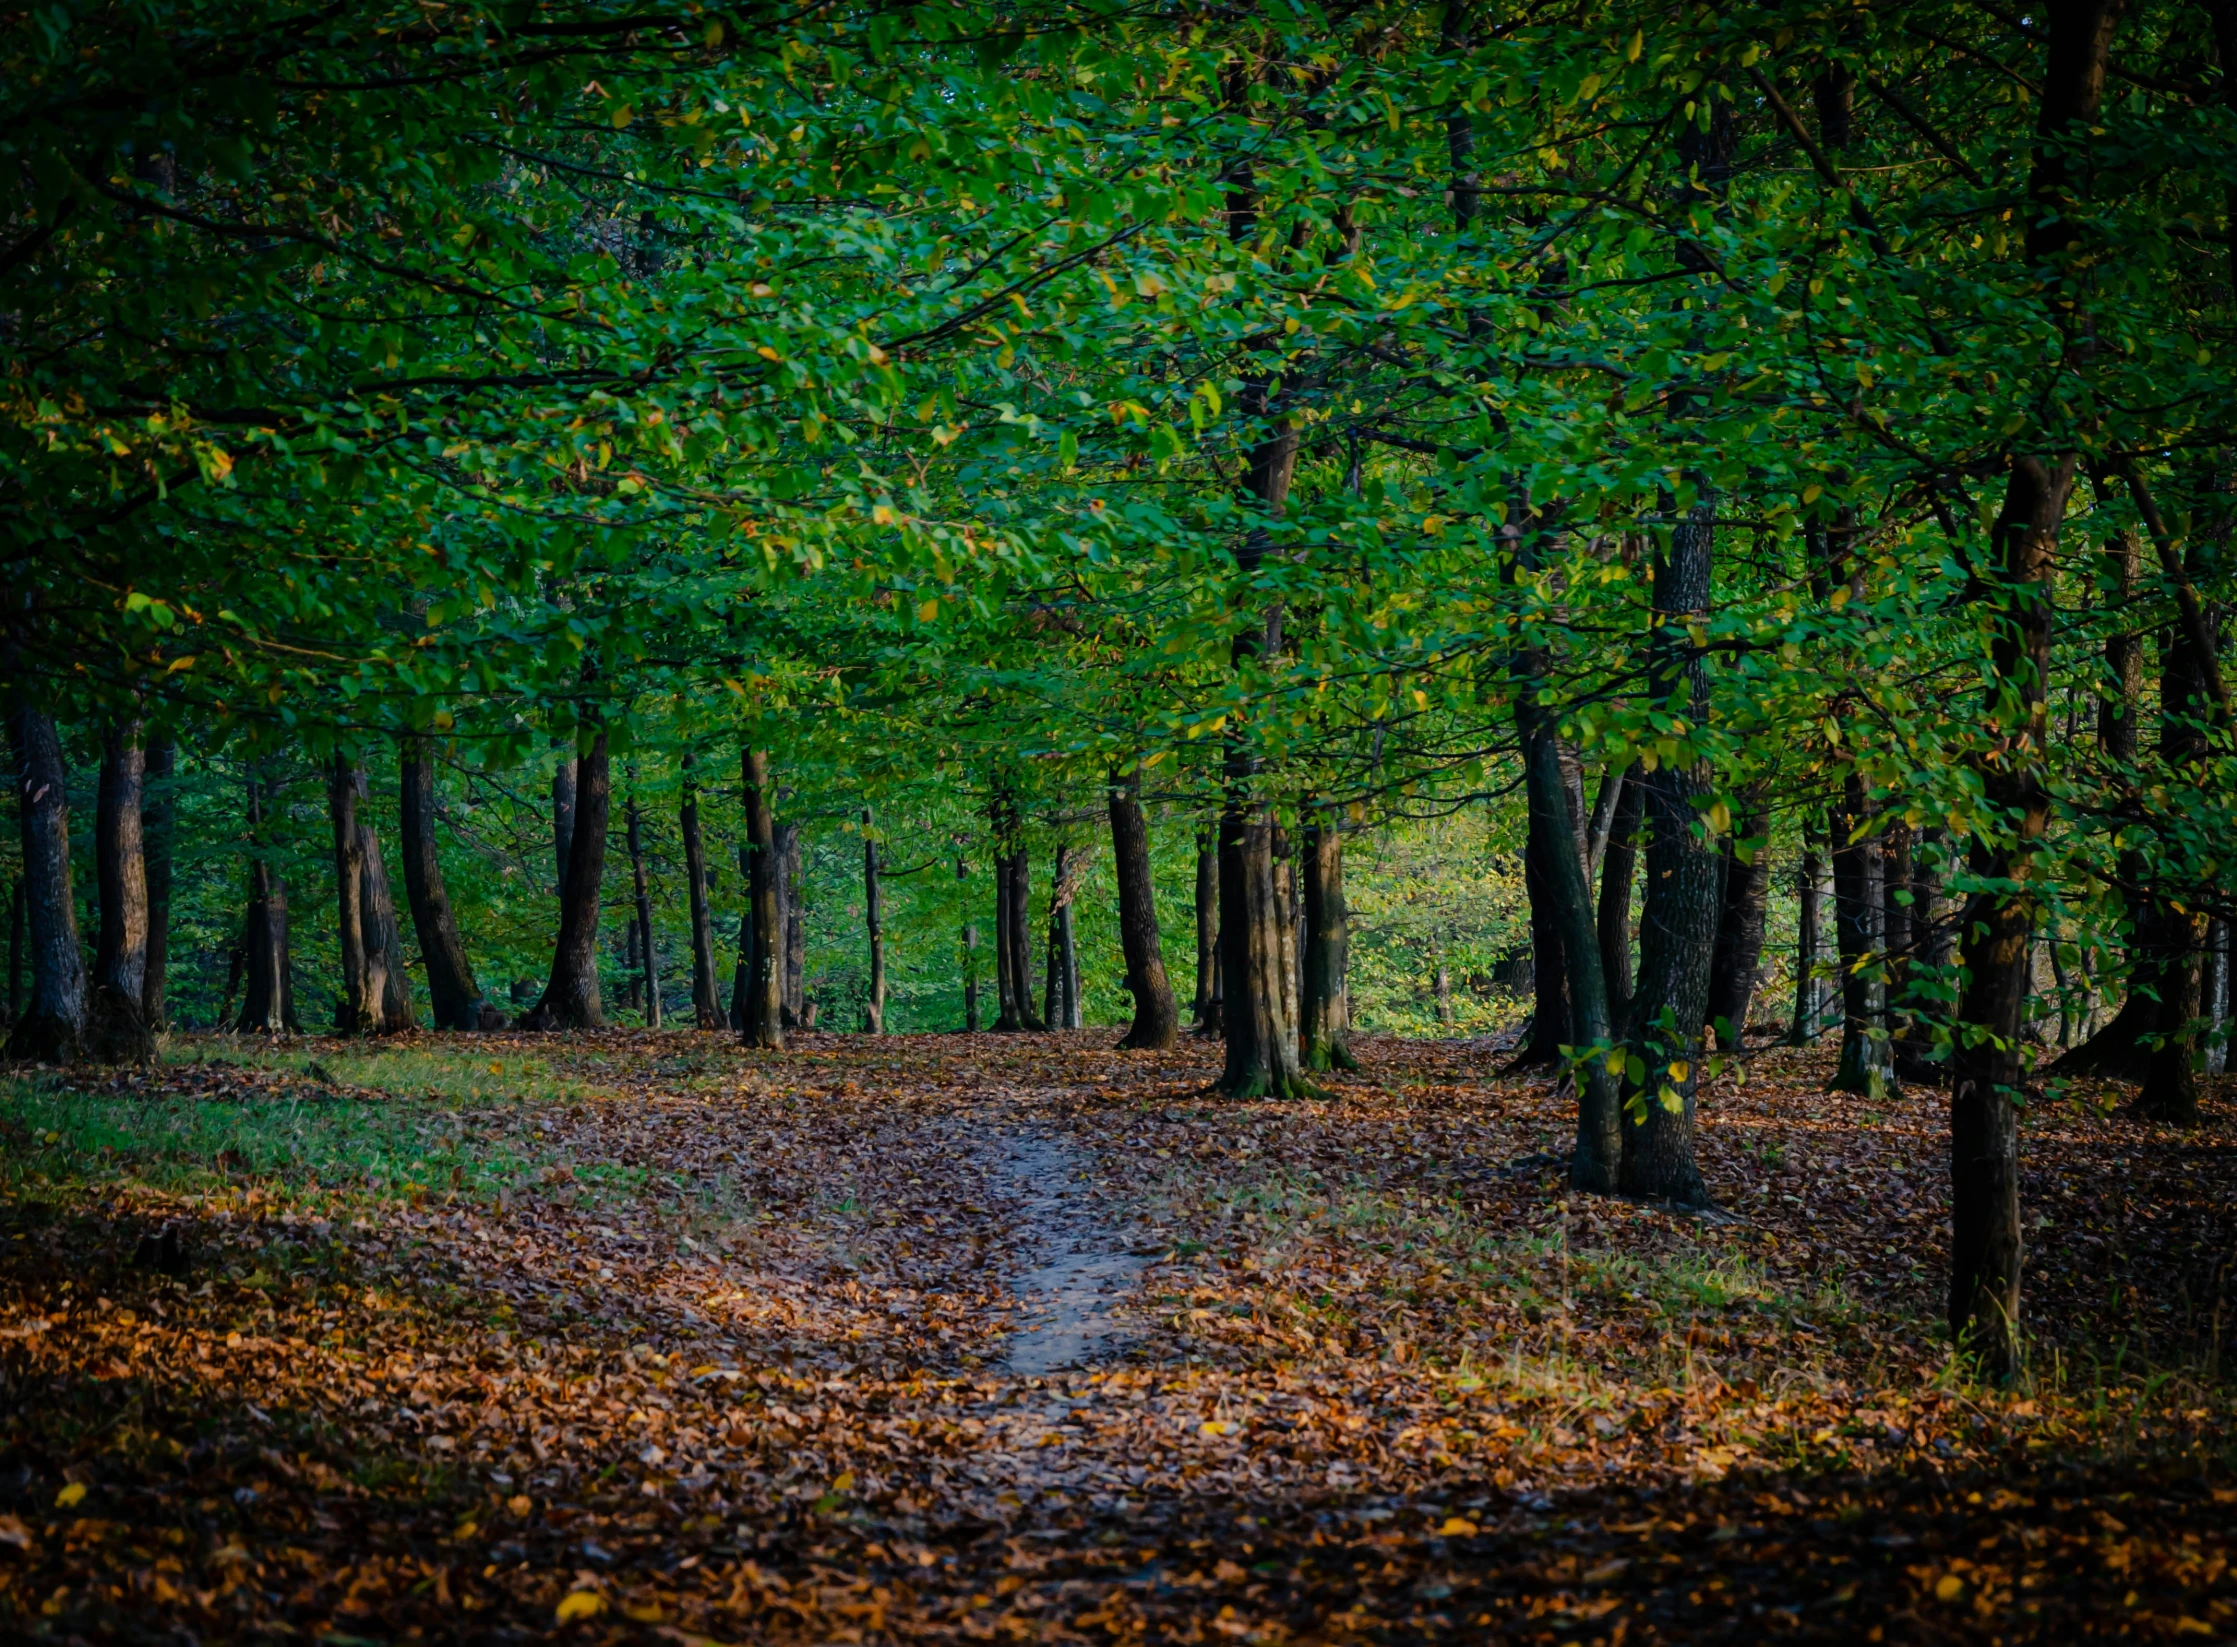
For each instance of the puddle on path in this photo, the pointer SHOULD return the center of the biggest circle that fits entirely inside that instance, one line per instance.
(1081, 1272)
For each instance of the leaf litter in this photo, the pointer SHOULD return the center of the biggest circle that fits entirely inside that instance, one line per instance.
(744, 1349)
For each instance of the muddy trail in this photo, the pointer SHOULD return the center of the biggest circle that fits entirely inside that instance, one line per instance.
(639, 1336)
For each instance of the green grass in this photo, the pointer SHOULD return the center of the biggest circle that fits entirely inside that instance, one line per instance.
(405, 1072)
(295, 1148)
(444, 1122)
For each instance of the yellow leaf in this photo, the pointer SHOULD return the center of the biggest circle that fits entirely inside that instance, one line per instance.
(1679, 1069)
(622, 116)
(734, 686)
(880, 515)
(1216, 1426)
(928, 611)
(766, 353)
(581, 1604)
(1948, 1587)
(70, 1496)
(1638, 45)
(1457, 1527)
(177, 664)
(845, 1482)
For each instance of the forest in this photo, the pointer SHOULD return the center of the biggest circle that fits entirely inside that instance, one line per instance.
(1073, 819)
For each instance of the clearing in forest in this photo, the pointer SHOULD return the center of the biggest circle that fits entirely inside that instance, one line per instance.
(643, 1336)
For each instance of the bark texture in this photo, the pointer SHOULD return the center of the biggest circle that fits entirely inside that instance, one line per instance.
(1678, 921)
(1013, 970)
(116, 1026)
(1325, 1020)
(873, 911)
(1206, 1010)
(1739, 950)
(1619, 868)
(1261, 1041)
(1809, 988)
(571, 999)
(641, 886)
(51, 1027)
(1157, 1021)
(1986, 1069)
(454, 998)
(1859, 908)
(765, 984)
(562, 818)
(706, 998)
(357, 1011)
(792, 908)
(268, 999)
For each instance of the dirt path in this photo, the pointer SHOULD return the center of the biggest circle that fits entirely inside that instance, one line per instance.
(1073, 1298)
(1017, 1339)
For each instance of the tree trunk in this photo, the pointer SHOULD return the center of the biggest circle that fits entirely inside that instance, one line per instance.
(51, 1028)
(1073, 1006)
(1923, 985)
(1809, 989)
(1206, 1010)
(792, 906)
(562, 817)
(1019, 935)
(741, 975)
(159, 815)
(1012, 933)
(384, 937)
(1678, 922)
(1052, 960)
(970, 959)
(1986, 1069)
(1549, 960)
(117, 1029)
(1157, 1021)
(2170, 1090)
(1859, 906)
(454, 998)
(874, 920)
(765, 987)
(1619, 866)
(1440, 988)
(16, 955)
(2124, 659)
(1595, 1164)
(1005, 984)
(1739, 950)
(706, 998)
(1261, 1042)
(1288, 928)
(1324, 1029)
(648, 959)
(1988, 1075)
(1898, 931)
(358, 1009)
(267, 1005)
(571, 999)
(2214, 1003)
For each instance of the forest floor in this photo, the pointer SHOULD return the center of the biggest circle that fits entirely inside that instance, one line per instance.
(639, 1336)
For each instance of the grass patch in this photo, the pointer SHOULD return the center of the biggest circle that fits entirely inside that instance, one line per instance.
(436, 1075)
(294, 1145)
